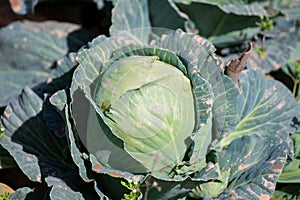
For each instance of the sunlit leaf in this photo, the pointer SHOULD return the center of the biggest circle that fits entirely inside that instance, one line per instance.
(255, 167)
(29, 50)
(128, 15)
(21, 193)
(60, 190)
(266, 105)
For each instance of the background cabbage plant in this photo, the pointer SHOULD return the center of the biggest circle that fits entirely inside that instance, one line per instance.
(148, 113)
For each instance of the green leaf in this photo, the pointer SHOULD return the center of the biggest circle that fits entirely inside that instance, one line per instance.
(279, 5)
(291, 68)
(234, 37)
(278, 51)
(159, 189)
(61, 75)
(100, 169)
(296, 139)
(2, 131)
(59, 100)
(169, 19)
(154, 188)
(231, 106)
(78, 155)
(28, 51)
(249, 168)
(6, 160)
(28, 116)
(238, 7)
(77, 150)
(27, 137)
(60, 190)
(99, 52)
(155, 132)
(288, 192)
(92, 61)
(143, 52)
(199, 57)
(94, 58)
(39, 146)
(291, 9)
(107, 148)
(34, 44)
(291, 172)
(128, 15)
(267, 107)
(223, 18)
(57, 79)
(21, 193)
(211, 189)
(12, 82)
(254, 163)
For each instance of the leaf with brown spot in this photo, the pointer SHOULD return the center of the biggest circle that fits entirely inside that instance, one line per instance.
(251, 159)
(277, 167)
(98, 167)
(60, 190)
(26, 57)
(28, 139)
(256, 116)
(278, 51)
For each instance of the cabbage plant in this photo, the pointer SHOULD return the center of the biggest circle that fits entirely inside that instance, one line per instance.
(148, 113)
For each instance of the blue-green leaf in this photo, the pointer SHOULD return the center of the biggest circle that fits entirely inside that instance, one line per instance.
(6, 160)
(199, 57)
(291, 9)
(291, 171)
(27, 137)
(21, 193)
(238, 7)
(34, 44)
(235, 37)
(223, 17)
(168, 19)
(30, 110)
(60, 190)
(154, 188)
(231, 107)
(28, 51)
(16, 150)
(128, 15)
(12, 82)
(277, 53)
(267, 107)
(255, 168)
(249, 168)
